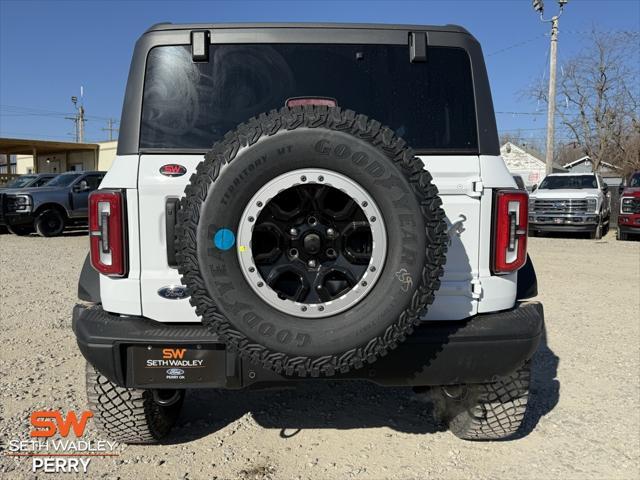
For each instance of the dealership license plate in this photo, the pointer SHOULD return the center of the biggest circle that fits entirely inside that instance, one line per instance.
(558, 220)
(179, 364)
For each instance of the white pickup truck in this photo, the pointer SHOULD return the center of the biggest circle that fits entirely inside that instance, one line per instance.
(570, 202)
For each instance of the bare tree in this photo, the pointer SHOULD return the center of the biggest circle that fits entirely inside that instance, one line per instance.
(598, 99)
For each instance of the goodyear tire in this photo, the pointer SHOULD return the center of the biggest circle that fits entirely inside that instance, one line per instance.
(129, 415)
(314, 146)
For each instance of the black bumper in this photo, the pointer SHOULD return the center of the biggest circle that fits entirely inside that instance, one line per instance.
(633, 229)
(16, 218)
(475, 350)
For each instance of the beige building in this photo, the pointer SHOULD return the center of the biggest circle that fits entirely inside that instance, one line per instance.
(72, 156)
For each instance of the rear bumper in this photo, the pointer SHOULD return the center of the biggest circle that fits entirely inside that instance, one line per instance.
(475, 350)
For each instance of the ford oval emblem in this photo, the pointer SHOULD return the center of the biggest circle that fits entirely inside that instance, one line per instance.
(173, 170)
(173, 292)
(175, 371)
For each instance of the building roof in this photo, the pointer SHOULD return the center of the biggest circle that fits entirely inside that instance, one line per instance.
(23, 146)
(516, 156)
(586, 158)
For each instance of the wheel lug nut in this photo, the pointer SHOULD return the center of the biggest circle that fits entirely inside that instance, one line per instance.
(331, 232)
(372, 268)
(321, 308)
(251, 219)
(251, 269)
(364, 204)
(304, 309)
(260, 284)
(258, 204)
(364, 284)
(303, 178)
(372, 219)
(312, 263)
(293, 252)
(293, 232)
(321, 178)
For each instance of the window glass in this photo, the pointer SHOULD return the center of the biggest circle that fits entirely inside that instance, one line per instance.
(569, 181)
(19, 182)
(63, 180)
(94, 181)
(189, 105)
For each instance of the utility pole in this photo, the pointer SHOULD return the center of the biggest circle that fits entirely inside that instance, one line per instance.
(78, 118)
(110, 128)
(81, 124)
(538, 6)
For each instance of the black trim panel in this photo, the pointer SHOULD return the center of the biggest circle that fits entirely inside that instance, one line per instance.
(475, 350)
(89, 283)
(527, 286)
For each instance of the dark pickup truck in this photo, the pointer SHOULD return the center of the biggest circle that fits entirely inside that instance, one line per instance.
(51, 208)
(29, 180)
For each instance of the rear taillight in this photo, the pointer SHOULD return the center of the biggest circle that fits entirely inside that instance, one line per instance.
(106, 232)
(510, 230)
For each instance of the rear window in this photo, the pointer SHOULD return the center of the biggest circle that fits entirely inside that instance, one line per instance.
(189, 105)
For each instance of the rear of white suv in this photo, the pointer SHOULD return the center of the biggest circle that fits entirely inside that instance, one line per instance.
(310, 240)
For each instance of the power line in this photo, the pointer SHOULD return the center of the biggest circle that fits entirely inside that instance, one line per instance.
(523, 113)
(14, 110)
(110, 128)
(516, 45)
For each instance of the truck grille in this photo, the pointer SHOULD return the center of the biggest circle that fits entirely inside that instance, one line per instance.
(632, 207)
(561, 206)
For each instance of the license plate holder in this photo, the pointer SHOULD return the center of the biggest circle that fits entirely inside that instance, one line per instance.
(180, 365)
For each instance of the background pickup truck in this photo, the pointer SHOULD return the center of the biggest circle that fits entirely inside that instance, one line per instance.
(629, 217)
(49, 209)
(569, 202)
(28, 181)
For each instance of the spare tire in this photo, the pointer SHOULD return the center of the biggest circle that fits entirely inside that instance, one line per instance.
(310, 239)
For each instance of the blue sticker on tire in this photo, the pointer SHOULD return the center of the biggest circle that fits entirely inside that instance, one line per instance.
(224, 239)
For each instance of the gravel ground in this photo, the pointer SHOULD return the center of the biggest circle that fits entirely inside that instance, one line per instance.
(584, 420)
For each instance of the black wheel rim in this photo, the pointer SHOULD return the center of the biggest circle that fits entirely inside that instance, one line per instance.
(312, 243)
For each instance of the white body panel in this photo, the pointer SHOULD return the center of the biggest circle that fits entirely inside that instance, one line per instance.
(153, 191)
(465, 184)
(122, 295)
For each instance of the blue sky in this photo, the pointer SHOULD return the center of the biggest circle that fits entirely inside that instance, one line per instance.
(48, 49)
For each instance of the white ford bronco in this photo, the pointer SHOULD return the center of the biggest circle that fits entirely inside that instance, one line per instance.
(307, 201)
(571, 202)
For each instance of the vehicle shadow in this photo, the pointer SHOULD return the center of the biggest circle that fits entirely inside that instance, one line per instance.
(333, 404)
(545, 387)
(344, 405)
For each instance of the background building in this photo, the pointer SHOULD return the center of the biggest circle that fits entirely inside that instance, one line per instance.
(40, 156)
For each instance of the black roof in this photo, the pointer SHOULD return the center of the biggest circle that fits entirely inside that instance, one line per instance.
(164, 26)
